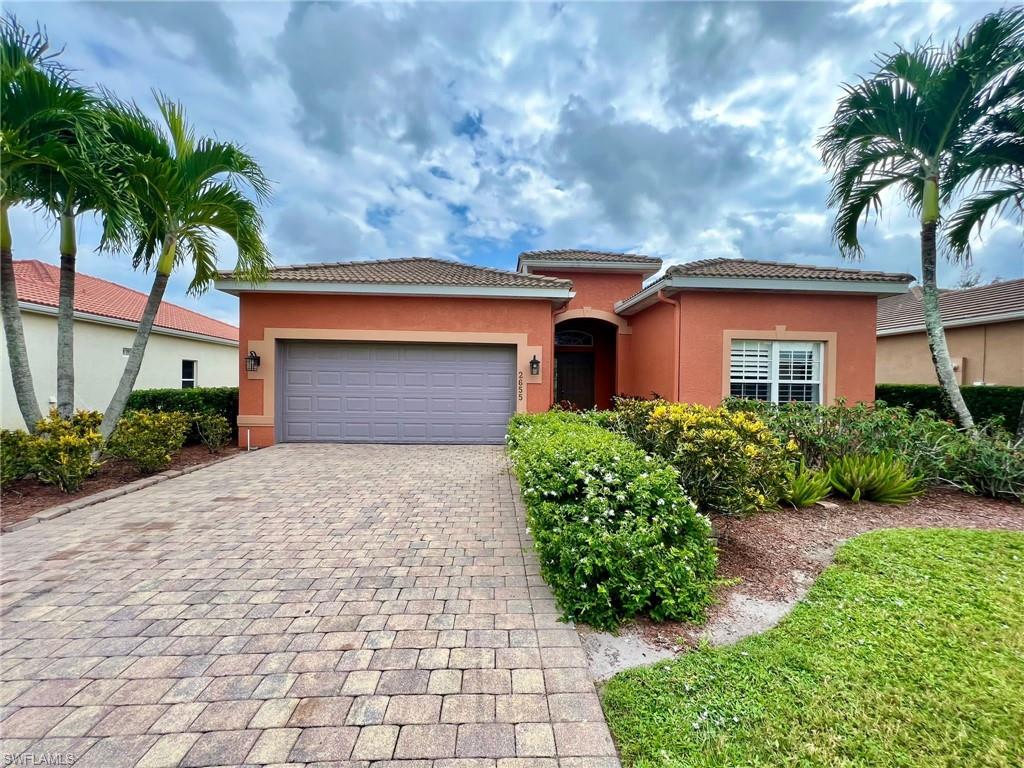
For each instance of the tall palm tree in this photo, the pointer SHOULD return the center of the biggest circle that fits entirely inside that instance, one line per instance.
(944, 127)
(39, 108)
(186, 189)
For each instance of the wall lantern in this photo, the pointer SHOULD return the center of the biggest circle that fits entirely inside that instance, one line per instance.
(252, 362)
(535, 366)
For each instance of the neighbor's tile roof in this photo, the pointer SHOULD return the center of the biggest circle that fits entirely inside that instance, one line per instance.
(414, 271)
(904, 312)
(572, 254)
(39, 283)
(747, 268)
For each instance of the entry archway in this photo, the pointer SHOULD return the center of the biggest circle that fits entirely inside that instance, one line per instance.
(585, 350)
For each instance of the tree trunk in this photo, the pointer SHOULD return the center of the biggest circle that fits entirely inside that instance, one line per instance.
(17, 355)
(936, 334)
(66, 317)
(134, 364)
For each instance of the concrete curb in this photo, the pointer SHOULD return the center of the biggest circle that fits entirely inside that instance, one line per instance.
(51, 513)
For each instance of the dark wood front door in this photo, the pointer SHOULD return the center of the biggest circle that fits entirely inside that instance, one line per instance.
(574, 378)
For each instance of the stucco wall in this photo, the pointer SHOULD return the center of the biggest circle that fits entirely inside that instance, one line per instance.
(992, 354)
(262, 315)
(598, 290)
(99, 363)
(651, 356)
(705, 316)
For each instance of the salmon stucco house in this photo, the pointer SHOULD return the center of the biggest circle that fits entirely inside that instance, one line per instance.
(421, 350)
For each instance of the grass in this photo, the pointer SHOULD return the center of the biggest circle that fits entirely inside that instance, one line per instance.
(908, 651)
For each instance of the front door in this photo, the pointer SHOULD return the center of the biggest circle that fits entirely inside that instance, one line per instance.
(574, 378)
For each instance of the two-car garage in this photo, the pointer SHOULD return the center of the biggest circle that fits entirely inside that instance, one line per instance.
(394, 392)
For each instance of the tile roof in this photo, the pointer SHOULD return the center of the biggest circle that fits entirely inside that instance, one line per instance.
(39, 282)
(572, 254)
(963, 307)
(748, 268)
(413, 271)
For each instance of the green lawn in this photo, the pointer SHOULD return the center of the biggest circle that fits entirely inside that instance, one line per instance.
(908, 651)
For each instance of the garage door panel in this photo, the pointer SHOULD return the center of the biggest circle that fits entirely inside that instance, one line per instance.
(416, 393)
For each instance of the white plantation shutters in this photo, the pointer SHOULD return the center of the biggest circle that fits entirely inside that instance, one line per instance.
(750, 370)
(778, 371)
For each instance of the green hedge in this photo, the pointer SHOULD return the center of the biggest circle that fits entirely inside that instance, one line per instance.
(984, 403)
(615, 534)
(222, 400)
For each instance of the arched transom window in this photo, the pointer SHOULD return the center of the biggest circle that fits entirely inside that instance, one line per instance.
(571, 338)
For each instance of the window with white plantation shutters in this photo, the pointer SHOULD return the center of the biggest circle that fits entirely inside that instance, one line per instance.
(777, 371)
(750, 370)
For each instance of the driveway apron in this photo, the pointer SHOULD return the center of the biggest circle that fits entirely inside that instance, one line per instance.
(304, 604)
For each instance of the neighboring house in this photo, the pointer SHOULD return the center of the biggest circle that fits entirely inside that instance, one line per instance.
(186, 349)
(426, 350)
(984, 331)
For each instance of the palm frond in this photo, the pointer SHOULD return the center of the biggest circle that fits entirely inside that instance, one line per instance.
(861, 202)
(182, 134)
(213, 158)
(975, 211)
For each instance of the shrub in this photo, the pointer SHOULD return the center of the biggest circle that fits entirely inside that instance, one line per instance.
(985, 403)
(824, 434)
(632, 416)
(17, 455)
(214, 430)
(148, 439)
(805, 487)
(728, 461)
(992, 465)
(222, 400)
(880, 477)
(615, 535)
(63, 449)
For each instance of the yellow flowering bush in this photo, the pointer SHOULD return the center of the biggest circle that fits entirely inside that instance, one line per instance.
(728, 461)
(63, 449)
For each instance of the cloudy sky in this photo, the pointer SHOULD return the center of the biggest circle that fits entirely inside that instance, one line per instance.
(476, 131)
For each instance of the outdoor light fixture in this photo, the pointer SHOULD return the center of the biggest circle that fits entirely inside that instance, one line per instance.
(535, 366)
(252, 362)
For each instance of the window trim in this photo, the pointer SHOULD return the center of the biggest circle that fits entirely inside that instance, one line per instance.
(195, 373)
(827, 373)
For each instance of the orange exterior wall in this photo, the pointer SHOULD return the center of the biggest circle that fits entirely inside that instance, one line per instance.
(704, 316)
(598, 290)
(651, 359)
(260, 311)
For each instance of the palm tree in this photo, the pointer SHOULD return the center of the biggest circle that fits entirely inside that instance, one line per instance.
(944, 127)
(39, 109)
(186, 189)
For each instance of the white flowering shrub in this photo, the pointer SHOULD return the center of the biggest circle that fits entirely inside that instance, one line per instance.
(615, 533)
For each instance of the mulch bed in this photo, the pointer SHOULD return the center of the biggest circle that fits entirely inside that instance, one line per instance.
(23, 498)
(776, 555)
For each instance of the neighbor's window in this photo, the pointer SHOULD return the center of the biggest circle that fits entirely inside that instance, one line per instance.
(188, 373)
(777, 371)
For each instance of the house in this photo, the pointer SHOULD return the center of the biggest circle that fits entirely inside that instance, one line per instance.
(186, 349)
(984, 331)
(426, 350)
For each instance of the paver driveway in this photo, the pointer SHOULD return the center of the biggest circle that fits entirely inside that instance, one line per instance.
(301, 605)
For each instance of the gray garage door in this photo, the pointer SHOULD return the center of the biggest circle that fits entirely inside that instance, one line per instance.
(395, 393)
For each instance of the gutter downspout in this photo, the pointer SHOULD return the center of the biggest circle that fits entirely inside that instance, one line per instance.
(675, 346)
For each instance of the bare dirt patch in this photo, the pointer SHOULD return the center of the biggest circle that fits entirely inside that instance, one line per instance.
(771, 560)
(23, 498)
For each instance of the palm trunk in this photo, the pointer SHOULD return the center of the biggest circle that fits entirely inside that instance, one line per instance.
(17, 355)
(66, 317)
(131, 369)
(930, 305)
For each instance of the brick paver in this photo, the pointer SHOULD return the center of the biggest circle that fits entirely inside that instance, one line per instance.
(299, 605)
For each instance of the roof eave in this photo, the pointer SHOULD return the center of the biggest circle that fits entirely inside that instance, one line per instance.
(676, 283)
(551, 293)
(1000, 317)
(120, 322)
(583, 265)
